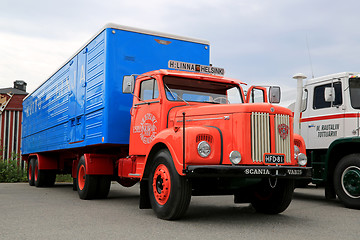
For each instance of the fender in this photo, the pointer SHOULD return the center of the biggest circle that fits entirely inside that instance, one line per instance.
(172, 138)
(99, 164)
(45, 162)
(299, 141)
(338, 149)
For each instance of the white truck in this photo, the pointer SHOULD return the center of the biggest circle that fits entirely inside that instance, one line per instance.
(327, 116)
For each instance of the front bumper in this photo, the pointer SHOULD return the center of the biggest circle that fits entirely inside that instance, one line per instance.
(249, 171)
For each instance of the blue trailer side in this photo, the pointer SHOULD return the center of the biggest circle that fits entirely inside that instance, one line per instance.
(82, 104)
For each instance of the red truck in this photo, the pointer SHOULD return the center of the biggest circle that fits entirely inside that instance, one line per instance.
(191, 133)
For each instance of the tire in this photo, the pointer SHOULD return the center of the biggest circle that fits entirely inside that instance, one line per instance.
(103, 186)
(169, 193)
(347, 180)
(86, 184)
(43, 178)
(268, 200)
(30, 172)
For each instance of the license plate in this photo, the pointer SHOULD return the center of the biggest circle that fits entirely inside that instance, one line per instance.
(274, 158)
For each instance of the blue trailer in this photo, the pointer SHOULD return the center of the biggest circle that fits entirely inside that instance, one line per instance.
(81, 107)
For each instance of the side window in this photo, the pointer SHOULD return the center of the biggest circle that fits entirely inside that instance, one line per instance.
(149, 89)
(320, 98)
(256, 96)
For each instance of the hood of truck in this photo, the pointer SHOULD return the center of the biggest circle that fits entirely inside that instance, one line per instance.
(251, 129)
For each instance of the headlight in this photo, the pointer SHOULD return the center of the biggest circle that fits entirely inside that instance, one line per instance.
(302, 159)
(235, 157)
(204, 149)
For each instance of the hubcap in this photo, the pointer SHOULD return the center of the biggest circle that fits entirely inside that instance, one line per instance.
(161, 184)
(350, 181)
(81, 177)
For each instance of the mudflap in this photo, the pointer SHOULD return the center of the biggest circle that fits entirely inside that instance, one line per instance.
(144, 195)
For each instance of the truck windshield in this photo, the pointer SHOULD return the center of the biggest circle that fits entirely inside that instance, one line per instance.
(193, 90)
(354, 84)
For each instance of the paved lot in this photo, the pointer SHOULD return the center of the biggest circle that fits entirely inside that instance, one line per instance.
(57, 213)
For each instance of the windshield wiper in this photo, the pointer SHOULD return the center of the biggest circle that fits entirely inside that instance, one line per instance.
(172, 94)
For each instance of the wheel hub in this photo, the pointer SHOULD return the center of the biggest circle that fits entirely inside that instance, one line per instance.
(351, 181)
(161, 184)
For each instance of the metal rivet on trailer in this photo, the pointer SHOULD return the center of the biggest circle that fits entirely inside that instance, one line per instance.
(206, 47)
(113, 31)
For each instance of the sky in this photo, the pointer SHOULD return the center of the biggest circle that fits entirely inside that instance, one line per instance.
(260, 42)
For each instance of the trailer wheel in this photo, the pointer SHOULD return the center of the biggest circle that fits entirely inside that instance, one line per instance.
(30, 172)
(86, 184)
(347, 180)
(273, 197)
(43, 178)
(169, 193)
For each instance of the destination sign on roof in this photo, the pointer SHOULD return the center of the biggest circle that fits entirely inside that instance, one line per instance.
(196, 68)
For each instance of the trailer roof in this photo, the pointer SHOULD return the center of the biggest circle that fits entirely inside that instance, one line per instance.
(155, 33)
(124, 28)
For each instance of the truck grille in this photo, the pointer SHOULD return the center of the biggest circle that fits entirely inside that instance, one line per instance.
(261, 131)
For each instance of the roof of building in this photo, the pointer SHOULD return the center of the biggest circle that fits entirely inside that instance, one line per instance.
(12, 90)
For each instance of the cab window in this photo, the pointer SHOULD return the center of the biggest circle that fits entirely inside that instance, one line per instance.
(149, 89)
(320, 99)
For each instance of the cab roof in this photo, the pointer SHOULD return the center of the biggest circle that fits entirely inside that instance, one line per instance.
(195, 75)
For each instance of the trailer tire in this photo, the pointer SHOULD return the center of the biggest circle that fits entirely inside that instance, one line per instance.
(43, 178)
(347, 181)
(30, 172)
(269, 200)
(169, 193)
(103, 186)
(86, 184)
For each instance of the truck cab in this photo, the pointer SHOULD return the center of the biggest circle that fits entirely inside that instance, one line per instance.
(329, 124)
(201, 132)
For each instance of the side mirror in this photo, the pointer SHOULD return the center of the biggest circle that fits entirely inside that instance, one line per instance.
(274, 94)
(329, 94)
(128, 84)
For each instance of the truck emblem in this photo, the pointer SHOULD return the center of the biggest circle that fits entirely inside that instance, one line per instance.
(147, 128)
(283, 130)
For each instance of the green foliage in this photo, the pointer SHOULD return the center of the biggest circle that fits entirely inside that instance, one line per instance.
(64, 178)
(10, 171)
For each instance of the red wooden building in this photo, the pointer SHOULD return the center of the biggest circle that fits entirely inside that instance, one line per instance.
(10, 119)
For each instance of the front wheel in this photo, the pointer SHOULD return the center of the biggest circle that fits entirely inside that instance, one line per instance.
(170, 193)
(347, 180)
(273, 196)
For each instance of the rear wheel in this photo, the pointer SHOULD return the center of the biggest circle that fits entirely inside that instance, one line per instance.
(30, 172)
(169, 193)
(273, 196)
(86, 184)
(43, 178)
(347, 180)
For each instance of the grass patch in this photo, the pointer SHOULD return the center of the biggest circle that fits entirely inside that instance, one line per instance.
(64, 178)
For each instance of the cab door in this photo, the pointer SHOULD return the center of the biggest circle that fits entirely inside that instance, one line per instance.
(322, 121)
(145, 117)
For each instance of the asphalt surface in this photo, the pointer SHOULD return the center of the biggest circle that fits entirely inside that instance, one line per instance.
(57, 213)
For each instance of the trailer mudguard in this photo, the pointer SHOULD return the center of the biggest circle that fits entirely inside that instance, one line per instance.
(45, 162)
(99, 164)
